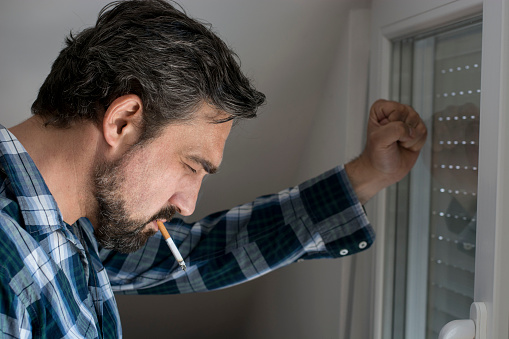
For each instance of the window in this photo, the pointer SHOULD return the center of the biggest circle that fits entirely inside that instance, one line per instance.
(432, 212)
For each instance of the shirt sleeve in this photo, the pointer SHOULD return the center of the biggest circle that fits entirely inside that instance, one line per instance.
(321, 218)
(14, 318)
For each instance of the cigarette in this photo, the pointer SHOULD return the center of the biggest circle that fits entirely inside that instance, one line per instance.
(171, 244)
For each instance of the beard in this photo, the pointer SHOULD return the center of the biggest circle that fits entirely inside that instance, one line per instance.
(115, 229)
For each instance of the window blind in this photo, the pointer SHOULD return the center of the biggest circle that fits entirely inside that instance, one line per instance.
(454, 164)
(432, 217)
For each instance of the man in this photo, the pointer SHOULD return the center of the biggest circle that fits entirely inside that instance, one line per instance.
(134, 113)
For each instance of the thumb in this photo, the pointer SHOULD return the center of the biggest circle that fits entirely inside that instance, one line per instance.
(391, 133)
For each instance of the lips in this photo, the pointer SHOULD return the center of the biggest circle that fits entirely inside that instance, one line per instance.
(153, 224)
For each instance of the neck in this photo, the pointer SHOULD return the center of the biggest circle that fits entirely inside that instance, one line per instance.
(65, 157)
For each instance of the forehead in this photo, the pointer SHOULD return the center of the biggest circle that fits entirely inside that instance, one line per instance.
(208, 120)
(210, 114)
(200, 136)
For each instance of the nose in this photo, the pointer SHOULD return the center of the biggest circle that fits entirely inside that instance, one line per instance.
(186, 196)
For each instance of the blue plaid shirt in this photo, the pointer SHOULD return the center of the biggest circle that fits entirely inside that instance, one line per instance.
(57, 282)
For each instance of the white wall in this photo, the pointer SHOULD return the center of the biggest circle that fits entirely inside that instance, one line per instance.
(297, 52)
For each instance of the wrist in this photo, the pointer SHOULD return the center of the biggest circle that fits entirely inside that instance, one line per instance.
(366, 181)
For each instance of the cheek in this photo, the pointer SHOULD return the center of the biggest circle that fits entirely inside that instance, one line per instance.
(149, 189)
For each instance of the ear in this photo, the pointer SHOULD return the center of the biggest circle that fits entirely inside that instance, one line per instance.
(121, 123)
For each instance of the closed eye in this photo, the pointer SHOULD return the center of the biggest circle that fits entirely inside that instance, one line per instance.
(192, 169)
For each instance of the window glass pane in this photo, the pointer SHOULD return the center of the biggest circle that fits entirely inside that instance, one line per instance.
(431, 223)
(455, 149)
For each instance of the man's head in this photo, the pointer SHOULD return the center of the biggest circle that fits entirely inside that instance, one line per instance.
(163, 90)
(155, 179)
(150, 49)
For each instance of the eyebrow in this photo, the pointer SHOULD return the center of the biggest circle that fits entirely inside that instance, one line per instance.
(207, 165)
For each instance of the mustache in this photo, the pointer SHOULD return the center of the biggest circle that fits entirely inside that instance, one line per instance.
(165, 213)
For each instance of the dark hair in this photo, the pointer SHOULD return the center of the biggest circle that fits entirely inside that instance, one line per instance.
(148, 48)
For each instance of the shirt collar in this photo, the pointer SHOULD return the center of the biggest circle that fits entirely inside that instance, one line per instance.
(38, 207)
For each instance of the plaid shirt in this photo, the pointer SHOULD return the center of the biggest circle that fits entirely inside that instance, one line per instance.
(57, 282)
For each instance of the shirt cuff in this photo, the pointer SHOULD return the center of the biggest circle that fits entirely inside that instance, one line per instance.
(339, 217)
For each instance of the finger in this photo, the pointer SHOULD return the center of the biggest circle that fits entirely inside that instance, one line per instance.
(391, 133)
(409, 116)
(379, 112)
(382, 112)
(412, 118)
(406, 126)
(402, 134)
(418, 139)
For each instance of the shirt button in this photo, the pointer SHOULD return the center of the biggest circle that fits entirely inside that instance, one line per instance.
(363, 244)
(343, 252)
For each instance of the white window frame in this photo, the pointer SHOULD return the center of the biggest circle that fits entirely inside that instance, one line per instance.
(492, 255)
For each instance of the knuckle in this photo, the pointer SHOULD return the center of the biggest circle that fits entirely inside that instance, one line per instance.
(380, 101)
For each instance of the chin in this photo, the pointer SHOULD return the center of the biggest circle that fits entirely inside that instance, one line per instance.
(126, 244)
